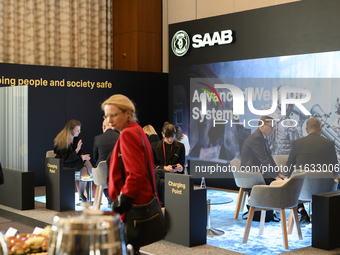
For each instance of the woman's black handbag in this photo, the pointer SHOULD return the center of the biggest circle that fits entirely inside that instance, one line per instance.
(144, 224)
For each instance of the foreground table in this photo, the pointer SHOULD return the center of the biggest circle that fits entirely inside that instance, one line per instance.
(213, 201)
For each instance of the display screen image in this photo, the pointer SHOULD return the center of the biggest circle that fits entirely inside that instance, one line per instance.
(317, 73)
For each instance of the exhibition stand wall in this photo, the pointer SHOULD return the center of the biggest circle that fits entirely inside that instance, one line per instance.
(54, 95)
(224, 72)
(295, 45)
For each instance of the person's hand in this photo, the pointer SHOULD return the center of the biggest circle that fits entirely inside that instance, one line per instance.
(168, 168)
(80, 143)
(86, 157)
(282, 176)
(179, 168)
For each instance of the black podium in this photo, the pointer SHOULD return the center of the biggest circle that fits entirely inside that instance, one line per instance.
(60, 183)
(18, 189)
(185, 210)
(326, 220)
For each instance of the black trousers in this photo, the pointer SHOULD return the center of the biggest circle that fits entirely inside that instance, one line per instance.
(159, 179)
(268, 180)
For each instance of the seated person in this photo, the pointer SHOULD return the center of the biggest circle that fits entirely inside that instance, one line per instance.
(312, 150)
(103, 145)
(67, 146)
(169, 156)
(183, 138)
(151, 134)
(255, 153)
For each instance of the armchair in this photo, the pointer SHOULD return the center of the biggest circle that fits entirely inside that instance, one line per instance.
(315, 183)
(50, 154)
(245, 181)
(100, 174)
(279, 195)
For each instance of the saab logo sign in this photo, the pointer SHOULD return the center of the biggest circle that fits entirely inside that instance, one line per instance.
(181, 42)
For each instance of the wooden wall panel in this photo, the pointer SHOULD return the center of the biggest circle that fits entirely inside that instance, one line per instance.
(165, 38)
(125, 43)
(149, 16)
(124, 16)
(149, 52)
(137, 32)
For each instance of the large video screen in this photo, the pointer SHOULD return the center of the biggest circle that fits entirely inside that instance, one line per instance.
(316, 73)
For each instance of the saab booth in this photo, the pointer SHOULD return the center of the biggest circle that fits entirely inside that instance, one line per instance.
(294, 45)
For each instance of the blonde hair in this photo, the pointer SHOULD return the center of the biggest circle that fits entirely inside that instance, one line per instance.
(64, 138)
(123, 103)
(149, 130)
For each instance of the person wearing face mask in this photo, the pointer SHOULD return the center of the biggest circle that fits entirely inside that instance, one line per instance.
(67, 146)
(169, 157)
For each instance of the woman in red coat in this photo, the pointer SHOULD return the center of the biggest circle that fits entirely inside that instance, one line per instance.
(120, 113)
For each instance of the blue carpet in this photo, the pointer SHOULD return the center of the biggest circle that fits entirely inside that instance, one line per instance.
(41, 199)
(222, 217)
(271, 242)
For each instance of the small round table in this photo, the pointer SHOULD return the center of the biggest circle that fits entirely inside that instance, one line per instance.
(214, 231)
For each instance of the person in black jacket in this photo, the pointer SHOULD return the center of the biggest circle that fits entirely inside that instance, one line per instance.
(103, 146)
(312, 152)
(169, 156)
(67, 146)
(255, 153)
(151, 134)
(104, 143)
